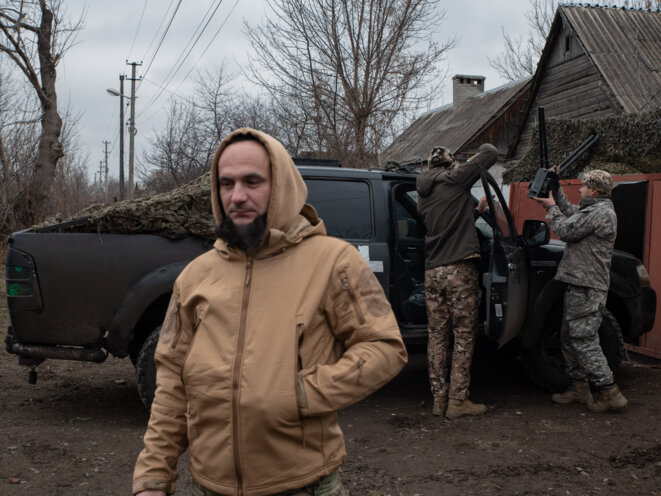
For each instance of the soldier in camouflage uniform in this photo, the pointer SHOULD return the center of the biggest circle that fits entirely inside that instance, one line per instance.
(589, 231)
(451, 277)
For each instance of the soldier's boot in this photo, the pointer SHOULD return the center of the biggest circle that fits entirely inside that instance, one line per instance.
(609, 398)
(459, 408)
(440, 405)
(577, 392)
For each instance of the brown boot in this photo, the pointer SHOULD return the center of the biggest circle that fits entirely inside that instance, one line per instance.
(459, 408)
(440, 405)
(609, 398)
(577, 392)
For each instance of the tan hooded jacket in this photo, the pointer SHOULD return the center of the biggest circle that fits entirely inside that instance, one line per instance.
(256, 355)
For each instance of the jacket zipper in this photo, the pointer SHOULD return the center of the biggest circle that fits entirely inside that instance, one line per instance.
(357, 365)
(236, 377)
(354, 300)
(298, 382)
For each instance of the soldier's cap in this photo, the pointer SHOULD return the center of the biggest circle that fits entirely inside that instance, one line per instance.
(440, 157)
(598, 180)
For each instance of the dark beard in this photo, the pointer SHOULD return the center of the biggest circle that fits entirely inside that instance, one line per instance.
(244, 237)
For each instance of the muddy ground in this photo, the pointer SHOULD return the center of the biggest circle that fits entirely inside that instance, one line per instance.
(79, 429)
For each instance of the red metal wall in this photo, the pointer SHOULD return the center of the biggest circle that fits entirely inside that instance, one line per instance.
(523, 208)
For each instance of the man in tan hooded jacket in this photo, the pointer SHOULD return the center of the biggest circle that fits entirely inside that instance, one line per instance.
(266, 337)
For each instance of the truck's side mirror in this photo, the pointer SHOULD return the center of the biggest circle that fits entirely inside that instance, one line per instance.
(535, 233)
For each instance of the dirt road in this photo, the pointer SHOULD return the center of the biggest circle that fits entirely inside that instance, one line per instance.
(78, 431)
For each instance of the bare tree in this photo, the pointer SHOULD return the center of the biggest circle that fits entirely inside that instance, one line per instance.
(35, 36)
(71, 190)
(214, 96)
(642, 4)
(19, 133)
(348, 66)
(19, 138)
(183, 149)
(520, 55)
(179, 153)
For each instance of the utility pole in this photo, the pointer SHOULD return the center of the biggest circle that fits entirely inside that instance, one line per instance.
(105, 167)
(132, 129)
(103, 173)
(106, 152)
(121, 137)
(120, 94)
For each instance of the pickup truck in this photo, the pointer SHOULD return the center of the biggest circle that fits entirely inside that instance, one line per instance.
(82, 296)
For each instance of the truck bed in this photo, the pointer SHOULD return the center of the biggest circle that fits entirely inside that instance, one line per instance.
(71, 277)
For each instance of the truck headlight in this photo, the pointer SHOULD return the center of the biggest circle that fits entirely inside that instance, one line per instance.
(643, 276)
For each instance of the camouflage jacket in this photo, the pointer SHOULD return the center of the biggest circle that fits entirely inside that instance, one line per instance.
(589, 231)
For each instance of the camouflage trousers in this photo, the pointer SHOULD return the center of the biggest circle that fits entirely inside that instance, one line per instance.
(330, 485)
(453, 297)
(584, 309)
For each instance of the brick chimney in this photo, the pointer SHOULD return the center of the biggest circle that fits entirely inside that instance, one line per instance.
(464, 87)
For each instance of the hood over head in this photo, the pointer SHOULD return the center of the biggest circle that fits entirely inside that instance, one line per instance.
(288, 190)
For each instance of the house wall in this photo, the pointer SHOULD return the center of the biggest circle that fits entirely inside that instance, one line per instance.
(523, 208)
(499, 132)
(570, 88)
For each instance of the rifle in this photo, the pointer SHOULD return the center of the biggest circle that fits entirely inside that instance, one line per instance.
(546, 180)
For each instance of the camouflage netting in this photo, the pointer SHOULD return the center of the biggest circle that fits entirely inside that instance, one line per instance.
(629, 144)
(179, 213)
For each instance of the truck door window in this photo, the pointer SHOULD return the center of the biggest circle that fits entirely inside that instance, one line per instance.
(344, 206)
(407, 224)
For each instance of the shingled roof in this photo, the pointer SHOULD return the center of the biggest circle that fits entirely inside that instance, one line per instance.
(451, 126)
(625, 47)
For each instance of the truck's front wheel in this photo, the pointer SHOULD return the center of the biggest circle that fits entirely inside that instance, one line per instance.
(545, 363)
(145, 369)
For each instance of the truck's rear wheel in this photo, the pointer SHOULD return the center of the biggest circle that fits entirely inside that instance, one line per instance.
(545, 363)
(145, 369)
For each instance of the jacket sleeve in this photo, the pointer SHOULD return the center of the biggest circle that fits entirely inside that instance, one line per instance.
(424, 183)
(565, 206)
(467, 173)
(165, 438)
(360, 317)
(575, 227)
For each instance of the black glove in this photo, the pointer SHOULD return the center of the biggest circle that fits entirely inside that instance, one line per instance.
(554, 183)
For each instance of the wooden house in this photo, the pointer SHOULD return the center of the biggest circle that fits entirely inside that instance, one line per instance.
(598, 62)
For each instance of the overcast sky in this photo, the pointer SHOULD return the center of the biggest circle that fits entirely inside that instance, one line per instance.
(117, 31)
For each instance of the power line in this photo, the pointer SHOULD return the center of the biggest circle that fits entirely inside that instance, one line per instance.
(137, 30)
(162, 88)
(151, 43)
(161, 40)
(209, 45)
(184, 54)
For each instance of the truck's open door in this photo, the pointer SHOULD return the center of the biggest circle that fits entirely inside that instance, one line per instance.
(408, 255)
(505, 281)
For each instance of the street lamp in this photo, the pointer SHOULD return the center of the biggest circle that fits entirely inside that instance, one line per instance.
(120, 94)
